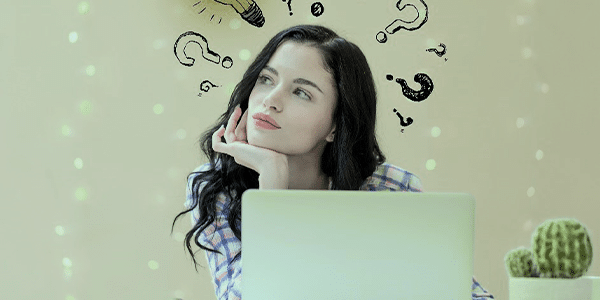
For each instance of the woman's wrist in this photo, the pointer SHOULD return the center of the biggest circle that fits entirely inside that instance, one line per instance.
(274, 175)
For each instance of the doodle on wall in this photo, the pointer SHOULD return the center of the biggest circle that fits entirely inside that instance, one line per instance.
(416, 96)
(409, 120)
(248, 10)
(204, 86)
(289, 4)
(191, 37)
(422, 14)
(439, 53)
(203, 9)
(317, 9)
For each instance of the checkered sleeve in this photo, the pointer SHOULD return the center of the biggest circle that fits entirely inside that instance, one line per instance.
(226, 275)
(478, 292)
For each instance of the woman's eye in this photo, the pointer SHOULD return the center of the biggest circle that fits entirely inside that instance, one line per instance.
(263, 79)
(302, 94)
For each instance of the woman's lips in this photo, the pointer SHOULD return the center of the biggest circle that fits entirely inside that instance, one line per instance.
(265, 119)
(264, 124)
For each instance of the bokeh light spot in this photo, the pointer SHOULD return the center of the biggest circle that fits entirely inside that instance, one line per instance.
(430, 164)
(436, 131)
(539, 155)
(530, 192)
(153, 265)
(158, 109)
(526, 52)
(60, 231)
(73, 37)
(520, 122)
(245, 54)
(85, 107)
(90, 70)
(78, 163)
(67, 262)
(81, 194)
(181, 134)
(83, 7)
(70, 297)
(178, 236)
(235, 23)
(66, 130)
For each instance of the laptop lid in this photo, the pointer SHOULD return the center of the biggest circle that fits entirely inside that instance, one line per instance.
(317, 244)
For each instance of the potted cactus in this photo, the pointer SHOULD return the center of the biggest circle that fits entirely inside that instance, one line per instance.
(560, 254)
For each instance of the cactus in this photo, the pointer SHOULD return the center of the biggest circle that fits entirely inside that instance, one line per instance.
(519, 263)
(561, 248)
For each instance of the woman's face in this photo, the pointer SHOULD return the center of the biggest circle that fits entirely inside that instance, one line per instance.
(299, 95)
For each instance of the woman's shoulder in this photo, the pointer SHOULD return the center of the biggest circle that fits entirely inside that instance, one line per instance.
(202, 168)
(190, 190)
(393, 178)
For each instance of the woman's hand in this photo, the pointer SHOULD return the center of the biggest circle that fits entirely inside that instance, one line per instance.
(271, 166)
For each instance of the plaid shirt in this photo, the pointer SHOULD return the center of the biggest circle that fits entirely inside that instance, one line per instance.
(227, 275)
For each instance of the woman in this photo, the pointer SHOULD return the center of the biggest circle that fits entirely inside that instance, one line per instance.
(302, 117)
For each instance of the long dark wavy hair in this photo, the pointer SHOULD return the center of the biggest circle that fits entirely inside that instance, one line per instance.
(352, 156)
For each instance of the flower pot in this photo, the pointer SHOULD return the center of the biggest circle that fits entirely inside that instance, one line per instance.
(526, 288)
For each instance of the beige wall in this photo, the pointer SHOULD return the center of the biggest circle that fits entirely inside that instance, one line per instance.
(94, 167)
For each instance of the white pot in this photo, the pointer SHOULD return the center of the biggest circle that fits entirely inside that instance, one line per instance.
(582, 288)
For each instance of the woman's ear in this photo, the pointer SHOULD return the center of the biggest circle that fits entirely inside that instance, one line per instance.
(331, 134)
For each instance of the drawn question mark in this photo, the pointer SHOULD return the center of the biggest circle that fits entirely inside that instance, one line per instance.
(204, 86)
(416, 96)
(439, 53)
(191, 37)
(409, 120)
(422, 13)
(289, 3)
(317, 9)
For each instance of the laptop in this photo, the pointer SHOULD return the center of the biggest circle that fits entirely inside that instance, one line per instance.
(322, 244)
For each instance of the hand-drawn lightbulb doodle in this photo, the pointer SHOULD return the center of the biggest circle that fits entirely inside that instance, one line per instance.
(415, 96)
(422, 14)
(192, 37)
(248, 10)
(439, 53)
(197, 6)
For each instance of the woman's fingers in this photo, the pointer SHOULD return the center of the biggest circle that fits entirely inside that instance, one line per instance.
(240, 130)
(231, 124)
(217, 144)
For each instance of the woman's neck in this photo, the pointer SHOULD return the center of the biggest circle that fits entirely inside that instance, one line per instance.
(305, 173)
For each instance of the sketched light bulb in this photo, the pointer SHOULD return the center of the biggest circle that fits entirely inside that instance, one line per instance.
(248, 10)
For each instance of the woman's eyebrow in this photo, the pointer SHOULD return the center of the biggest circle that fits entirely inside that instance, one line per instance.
(297, 80)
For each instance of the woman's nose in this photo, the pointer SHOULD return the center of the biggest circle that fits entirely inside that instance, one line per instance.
(274, 99)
